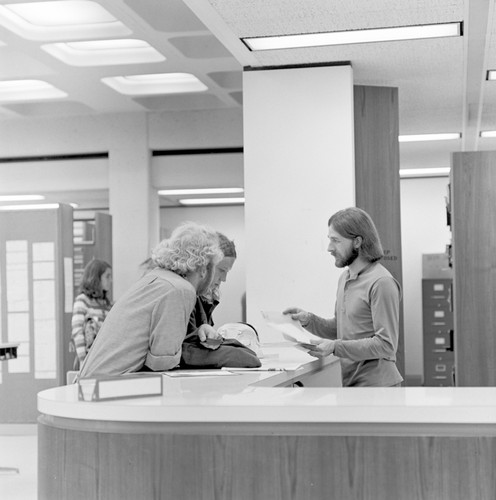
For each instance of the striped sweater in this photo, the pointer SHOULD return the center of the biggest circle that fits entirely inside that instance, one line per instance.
(87, 316)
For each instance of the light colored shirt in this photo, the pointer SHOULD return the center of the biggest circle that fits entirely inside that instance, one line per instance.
(146, 327)
(366, 326)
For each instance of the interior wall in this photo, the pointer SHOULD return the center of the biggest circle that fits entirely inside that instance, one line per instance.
(423, 230)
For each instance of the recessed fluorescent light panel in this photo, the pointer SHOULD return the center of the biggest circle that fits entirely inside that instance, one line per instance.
(212, 201)
(161, 83)
(55, 20)
(21, 197)
(352, 37)
(429, 137)
(199, 191)
(491, 74)
(488, 133)
(104, 52)
(424, 172)
(28, 90)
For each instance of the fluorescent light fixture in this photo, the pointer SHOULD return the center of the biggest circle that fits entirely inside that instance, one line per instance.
(104, 52)
(488, 133)
(160, 83)
(429, 137)
(491, 74)
(21, 197)
(199, 191)
(424, 172)
(28, 90)
(212, 201)
(56, 20)
(34, 206)
(351, 37)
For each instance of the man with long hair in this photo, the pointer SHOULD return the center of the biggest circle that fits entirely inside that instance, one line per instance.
(145, 328)
(365, 329)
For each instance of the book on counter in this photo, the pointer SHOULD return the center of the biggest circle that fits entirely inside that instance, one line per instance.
(133, 385)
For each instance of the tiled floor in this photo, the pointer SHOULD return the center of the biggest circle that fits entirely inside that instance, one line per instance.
(18, 449)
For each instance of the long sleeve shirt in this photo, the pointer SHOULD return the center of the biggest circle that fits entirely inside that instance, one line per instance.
(145, 327)
(365, 326)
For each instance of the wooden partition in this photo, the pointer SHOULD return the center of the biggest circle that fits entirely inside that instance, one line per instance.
(35, 307)
(259, 462)
(377, 176)
(473, 222)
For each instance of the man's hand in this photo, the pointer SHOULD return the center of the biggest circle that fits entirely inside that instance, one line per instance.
(208, 332)
(320, 348)
(298, 314)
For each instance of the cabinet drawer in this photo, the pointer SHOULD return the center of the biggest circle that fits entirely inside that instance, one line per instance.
(438, 380)
(436, 289)
(441, 340)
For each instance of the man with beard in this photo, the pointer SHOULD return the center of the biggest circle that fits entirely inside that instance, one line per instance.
(365, 328)
(145, 329)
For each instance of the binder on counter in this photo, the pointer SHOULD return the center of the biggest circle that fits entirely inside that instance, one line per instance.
(120, 387)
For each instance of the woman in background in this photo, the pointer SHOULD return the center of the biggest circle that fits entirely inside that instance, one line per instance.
(90, 307)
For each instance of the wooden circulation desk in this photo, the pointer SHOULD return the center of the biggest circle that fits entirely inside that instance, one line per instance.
(255, 436)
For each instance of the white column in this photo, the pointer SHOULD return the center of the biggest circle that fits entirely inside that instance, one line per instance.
(133, 203)
(299, 170)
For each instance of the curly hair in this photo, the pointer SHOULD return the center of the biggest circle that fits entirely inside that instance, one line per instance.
(352, 222)
(190, 247)
(91, 282)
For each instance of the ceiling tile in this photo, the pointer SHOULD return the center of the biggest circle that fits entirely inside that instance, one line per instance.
(227, 79)
(49, 108)
(199, 47)
(167, 15)
(178, 102)
(17, 65)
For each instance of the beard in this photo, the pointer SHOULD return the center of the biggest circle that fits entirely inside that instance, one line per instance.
(348, 259)
(206, 281)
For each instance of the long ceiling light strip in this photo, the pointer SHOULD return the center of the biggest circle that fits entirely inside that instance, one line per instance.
(406, 173)
(488, 133)
(212, 201)
(21, 197)
(38, 206)
(429, 137)
(199, 191)
(352, 37)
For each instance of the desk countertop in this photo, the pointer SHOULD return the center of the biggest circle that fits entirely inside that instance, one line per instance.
(257, 397)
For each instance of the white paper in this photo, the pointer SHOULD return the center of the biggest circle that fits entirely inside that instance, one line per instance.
(43, 251)
(43, 271)
(290, 328)
(68, 285)
(197, 373)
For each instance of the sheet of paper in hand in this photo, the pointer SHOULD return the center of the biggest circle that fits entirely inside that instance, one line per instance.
(291, 329)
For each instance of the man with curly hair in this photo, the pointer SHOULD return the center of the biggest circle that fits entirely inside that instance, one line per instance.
(145, 328)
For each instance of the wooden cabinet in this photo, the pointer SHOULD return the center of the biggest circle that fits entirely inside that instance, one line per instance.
(473, 222)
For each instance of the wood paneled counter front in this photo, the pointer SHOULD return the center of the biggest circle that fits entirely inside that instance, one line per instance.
(253, 436)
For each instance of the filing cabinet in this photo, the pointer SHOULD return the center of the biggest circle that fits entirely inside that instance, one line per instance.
(438, 333)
